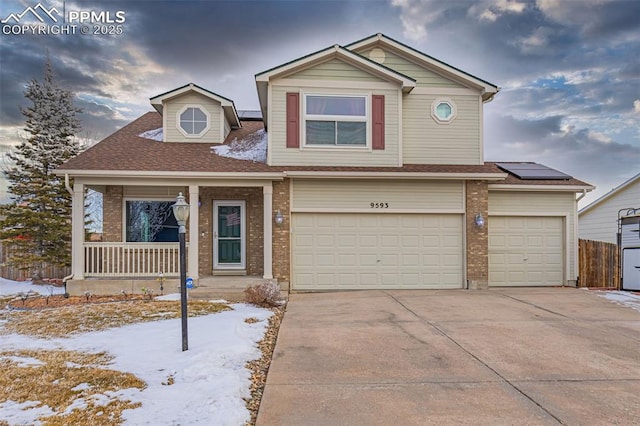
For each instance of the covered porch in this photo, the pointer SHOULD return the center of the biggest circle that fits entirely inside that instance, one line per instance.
(230, 234)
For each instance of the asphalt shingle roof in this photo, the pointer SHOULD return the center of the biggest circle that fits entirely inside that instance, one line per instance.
(125, 150)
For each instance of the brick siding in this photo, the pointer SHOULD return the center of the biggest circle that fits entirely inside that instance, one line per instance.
(477, 197)
(281, 238)
(112, 214)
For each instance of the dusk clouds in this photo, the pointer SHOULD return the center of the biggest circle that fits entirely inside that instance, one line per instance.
(569, 71)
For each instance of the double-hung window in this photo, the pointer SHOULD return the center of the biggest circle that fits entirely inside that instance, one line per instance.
(335, 120)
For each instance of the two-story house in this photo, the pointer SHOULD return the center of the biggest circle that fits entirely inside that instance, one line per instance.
(364, 169)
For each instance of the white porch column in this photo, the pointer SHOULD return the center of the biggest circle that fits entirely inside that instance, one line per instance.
(77, 231)
(194, 232)
(267, 192)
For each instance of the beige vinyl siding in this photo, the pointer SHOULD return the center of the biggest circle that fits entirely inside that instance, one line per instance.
(601, 222)
(423, 76)
(171, 108)
(340, 195)
(509, 203)
(427, 142)
(334, 69)
(153, 191)
(332, 156)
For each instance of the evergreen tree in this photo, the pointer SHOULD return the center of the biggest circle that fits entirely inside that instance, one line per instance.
(36, 225)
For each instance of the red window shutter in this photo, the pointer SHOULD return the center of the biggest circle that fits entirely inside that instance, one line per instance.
(293, 120)
(378, 121)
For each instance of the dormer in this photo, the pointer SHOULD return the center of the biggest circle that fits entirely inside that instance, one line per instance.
(193, 114)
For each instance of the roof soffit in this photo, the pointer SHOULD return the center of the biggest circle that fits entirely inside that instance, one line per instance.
(337, 52)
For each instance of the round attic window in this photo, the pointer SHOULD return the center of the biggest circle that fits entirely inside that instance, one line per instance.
(377, 55)
(443, 110)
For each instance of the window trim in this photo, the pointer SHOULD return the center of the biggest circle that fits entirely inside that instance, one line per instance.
(184, 132)
(434, 113)
(344, 118)
(124, 216)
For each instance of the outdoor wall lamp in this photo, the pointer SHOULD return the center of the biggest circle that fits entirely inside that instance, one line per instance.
(279, 218)
(479, 220)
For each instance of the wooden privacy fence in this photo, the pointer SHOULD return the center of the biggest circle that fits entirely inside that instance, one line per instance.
(44, 270)
(598, 264)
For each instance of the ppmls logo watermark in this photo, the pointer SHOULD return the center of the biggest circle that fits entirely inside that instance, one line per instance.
(40, 20)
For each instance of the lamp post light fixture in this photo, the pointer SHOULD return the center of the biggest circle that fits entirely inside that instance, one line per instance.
(181, 213)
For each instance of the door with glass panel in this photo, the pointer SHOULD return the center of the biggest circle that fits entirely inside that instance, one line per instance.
(229, 235)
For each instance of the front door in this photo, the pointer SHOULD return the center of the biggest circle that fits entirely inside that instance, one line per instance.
(228, 234)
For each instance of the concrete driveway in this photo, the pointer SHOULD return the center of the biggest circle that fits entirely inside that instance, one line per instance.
(513, 356)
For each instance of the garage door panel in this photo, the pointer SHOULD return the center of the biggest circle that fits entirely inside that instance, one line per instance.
(377, 251)
(526, 251)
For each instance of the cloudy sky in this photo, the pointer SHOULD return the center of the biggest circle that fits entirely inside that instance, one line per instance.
(569, 70)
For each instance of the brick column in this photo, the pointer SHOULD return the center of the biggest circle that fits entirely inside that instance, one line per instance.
(267, 197)
(281, 238)
(477, 201)
(112, 214)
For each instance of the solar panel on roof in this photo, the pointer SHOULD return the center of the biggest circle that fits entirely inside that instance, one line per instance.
(533, 171)
(250, 114)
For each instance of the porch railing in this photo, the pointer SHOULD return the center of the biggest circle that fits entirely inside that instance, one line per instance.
(131, 259)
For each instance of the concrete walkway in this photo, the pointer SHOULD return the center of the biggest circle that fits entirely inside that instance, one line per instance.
(514, 356)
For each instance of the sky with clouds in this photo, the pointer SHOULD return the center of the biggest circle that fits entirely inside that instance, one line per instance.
(569, 70)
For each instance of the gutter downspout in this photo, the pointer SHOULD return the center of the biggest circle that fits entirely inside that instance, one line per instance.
(584, 193)
(68, 277)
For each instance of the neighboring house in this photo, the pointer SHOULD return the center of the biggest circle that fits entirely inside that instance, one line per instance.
(599, 220)
(364, 169)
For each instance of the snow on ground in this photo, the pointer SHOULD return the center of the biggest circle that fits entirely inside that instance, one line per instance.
(8, 287)
(252, 148)
(210, 379)
(631, 300)
(155, 134)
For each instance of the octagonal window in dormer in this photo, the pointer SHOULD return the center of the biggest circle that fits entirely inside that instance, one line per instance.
(193, 121)
(443, 111)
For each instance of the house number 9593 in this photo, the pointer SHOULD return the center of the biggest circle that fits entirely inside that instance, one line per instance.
(379, 205)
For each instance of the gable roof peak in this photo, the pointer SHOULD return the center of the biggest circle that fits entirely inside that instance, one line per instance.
(489, 89)
(227, 104)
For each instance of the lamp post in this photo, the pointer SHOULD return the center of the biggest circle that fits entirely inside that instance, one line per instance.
(181, 213)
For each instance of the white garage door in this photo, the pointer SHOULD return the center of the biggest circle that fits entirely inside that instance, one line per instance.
(525, 251)
(376, 251)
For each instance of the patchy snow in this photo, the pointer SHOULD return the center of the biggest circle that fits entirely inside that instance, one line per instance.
(8, 287)
(170, 296)
(624, 298)
(252, 148)
(16, 413)
(210, 379)
(155, 134)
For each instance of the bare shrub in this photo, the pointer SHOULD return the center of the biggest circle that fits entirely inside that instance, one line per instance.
(265, 294)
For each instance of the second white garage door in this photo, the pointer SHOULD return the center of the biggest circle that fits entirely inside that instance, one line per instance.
(376, 251)
(525, 251)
